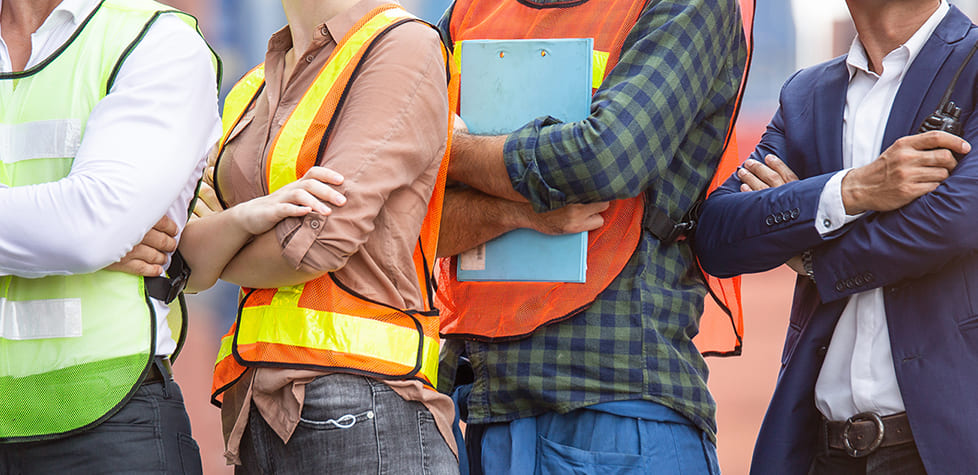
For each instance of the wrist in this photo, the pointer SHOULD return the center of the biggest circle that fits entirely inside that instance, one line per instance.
(851, 194)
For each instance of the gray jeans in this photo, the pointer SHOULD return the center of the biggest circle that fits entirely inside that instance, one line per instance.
(349, 424)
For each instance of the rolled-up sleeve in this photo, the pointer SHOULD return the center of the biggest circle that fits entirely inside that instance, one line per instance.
(663, 86)
(391, 130)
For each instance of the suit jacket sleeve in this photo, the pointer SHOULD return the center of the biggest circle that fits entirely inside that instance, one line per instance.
(745, 232)
(918, 239)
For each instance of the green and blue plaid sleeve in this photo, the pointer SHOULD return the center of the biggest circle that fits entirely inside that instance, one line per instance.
(661, 88)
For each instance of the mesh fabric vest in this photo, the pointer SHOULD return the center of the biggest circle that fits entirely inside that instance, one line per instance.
(502, 311)
(72, 348)
(322, 324)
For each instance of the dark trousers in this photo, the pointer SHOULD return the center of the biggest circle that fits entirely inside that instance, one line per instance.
(897, 460)
(150, 434)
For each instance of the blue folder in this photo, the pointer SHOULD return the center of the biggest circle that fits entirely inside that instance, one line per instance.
(504, 85)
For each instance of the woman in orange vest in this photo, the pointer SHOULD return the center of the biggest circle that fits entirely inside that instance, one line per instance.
(331, 364)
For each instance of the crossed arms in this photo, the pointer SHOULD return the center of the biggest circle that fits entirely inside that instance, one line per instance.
(917, 199)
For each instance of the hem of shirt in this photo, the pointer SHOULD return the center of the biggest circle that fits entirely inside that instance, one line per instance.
(563, 408)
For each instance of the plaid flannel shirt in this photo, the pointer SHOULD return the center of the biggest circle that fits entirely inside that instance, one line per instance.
(657, 124)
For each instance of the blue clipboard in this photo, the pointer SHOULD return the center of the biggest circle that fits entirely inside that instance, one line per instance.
(505, 84)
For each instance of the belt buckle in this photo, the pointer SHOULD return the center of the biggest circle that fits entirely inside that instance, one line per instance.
(863, 416)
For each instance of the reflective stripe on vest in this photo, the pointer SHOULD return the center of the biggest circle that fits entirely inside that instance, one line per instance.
(528, 306)
(321, 324)
(41, 139)
(40, 319)
(72, 348)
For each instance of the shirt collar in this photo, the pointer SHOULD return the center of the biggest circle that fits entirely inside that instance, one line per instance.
(858, 61)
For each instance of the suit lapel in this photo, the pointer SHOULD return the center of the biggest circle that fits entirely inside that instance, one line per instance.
(829, 105)
(919, 86)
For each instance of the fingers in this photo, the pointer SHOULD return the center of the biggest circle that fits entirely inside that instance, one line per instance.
(324, 175)
(161, 238)
(324, 192)
(166, 226)
(595, 208)
(137, 268)
(301, 197)
(781, 168)
(147, 254)
(940, 157)
(938, 139)
(750, 182)
(141, 260)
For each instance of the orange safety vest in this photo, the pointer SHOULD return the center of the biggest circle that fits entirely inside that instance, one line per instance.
(501, 311)
(323, 324)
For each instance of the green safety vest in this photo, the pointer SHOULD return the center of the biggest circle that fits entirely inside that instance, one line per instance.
(73, 349)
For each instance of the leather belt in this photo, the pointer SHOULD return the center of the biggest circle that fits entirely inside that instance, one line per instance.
(160, 371)
(863, 433)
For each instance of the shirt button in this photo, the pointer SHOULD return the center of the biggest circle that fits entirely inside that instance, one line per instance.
(314, 224)
(310, 58)
(827, 223)
(323, 31)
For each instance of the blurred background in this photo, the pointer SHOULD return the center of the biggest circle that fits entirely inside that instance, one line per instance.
(788, 35)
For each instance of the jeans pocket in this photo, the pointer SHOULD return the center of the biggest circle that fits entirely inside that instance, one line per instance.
(436, 457)
(554, 458)
(344, 421)
(190, 462)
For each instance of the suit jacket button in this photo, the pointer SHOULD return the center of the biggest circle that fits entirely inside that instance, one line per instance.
(869, 277)
(858, 281)
(769, 220)
(821, 351)
(849, 284)
(839, 286)
(795, 213)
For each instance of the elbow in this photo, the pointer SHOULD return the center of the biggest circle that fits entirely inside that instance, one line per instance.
(712, 260)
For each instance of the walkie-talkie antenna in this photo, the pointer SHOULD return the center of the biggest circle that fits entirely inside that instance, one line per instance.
(947, 116)
(954, 80)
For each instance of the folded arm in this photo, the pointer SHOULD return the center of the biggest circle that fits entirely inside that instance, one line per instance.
(143, 143)
(390, 132)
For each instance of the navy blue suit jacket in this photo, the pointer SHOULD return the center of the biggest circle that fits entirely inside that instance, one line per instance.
(923, 256)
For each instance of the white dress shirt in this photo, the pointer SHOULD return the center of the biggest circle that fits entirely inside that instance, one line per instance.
(858, 373)
(143, 151)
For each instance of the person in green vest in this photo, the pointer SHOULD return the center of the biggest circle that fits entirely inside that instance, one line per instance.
(107, 111)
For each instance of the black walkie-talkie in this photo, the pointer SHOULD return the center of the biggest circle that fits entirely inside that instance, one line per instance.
(947, 117)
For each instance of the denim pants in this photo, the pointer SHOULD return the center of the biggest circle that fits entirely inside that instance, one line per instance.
(150, 434)
(593, 442)
(349, 424)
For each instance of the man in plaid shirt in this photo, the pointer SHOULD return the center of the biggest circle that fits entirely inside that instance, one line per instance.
(616, 383)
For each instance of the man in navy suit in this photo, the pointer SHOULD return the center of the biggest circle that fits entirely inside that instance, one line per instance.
(880, 365)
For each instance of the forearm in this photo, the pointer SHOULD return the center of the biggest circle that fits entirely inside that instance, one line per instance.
(260, 264)
(890, 245)
(208, 244)
(141, 151)
(478, 162)
(746, 232)
(470, 218)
